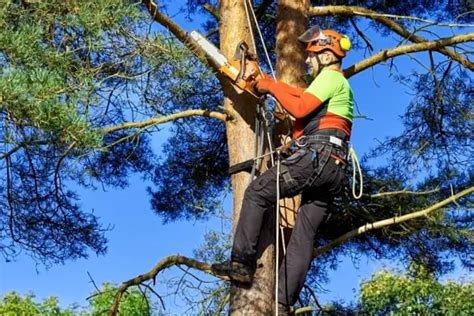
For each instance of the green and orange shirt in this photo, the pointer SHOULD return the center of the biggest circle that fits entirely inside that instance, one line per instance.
(326, 104)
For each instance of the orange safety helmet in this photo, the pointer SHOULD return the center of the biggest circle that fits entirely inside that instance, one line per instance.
(320, 40)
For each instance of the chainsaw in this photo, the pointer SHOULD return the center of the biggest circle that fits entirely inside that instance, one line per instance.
(242, 70)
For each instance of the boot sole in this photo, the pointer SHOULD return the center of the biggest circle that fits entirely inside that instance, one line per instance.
(244, 279)
(240, 278)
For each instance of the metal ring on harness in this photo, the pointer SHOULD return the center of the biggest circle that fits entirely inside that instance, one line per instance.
(268, 116)
(301, 142)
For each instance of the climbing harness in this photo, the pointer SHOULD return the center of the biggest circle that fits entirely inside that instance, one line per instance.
(322, 147)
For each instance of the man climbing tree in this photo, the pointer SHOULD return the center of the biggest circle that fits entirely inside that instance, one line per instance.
(84, 87)
(315, 167)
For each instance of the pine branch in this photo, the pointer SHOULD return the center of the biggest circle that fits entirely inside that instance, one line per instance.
(151, 275)
(22, 145)
(361, 11)
(164, 119)
(388, 22)
(177, 31)
(406, 49)
(389, 221)
(401, 192)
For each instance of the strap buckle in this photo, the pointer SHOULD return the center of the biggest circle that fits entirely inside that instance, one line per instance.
(335, 140)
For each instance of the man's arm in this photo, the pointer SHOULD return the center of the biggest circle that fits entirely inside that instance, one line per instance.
(295, 100)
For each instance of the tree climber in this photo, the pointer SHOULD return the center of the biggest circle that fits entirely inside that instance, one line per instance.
(315, 168)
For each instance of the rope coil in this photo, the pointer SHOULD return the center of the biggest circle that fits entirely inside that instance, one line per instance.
(356, 169)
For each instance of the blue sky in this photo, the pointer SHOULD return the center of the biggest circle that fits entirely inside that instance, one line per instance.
(139, 239)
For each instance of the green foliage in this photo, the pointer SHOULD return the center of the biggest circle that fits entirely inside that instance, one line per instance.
(416, 293)
(68, 70)
(12, 304)
(133, 302)
(46, 79)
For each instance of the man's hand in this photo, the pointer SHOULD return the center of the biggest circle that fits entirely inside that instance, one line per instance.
(264, 85)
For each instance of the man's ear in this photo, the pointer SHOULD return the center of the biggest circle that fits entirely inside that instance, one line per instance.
(327, 57)
(332, 57)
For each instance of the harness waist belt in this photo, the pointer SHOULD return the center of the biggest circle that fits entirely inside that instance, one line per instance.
(334, 141)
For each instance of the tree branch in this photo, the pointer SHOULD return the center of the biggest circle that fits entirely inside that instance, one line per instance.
(401, 192)
(165, 119)
(362, 35)
(406, 49)
(385, 20)
(206, 268)
(151, 275)
(212, 10)
(22, 145)
(390, 221)
(177, 31)
(356, 10)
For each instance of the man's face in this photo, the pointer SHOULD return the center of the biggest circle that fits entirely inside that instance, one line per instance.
(312, 62)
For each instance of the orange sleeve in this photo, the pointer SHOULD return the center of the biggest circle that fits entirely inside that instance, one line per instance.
(296, 91)
(297, 102)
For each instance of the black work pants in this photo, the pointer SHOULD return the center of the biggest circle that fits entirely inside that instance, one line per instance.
(260, 197)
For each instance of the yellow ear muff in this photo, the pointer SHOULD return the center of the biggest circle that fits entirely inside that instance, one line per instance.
(345, 43)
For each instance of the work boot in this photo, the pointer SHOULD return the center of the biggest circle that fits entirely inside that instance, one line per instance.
(236, 271)
(285, 310)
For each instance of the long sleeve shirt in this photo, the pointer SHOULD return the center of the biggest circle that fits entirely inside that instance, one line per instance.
(326, 103)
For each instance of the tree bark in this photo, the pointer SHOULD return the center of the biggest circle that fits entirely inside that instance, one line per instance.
(292, 21)
(256, 300)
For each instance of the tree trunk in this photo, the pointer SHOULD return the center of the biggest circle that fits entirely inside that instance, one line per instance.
(259, 298)
(292, 21)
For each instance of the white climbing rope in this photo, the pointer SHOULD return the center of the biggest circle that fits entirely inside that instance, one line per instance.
(278, 227)
(356, 169)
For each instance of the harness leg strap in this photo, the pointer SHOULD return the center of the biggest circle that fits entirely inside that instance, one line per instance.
(323, 159)
(290, 182)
